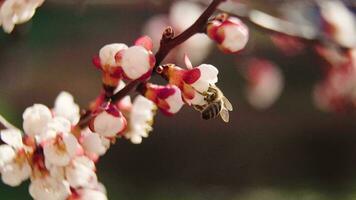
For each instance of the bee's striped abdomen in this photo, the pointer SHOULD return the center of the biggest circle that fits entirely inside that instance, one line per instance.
(211, 111)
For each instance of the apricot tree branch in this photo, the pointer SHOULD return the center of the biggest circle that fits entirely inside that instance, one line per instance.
(168, 42)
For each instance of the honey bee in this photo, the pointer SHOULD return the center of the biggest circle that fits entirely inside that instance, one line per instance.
(217, 104)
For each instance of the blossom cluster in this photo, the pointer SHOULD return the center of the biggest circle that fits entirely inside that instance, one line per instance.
(14, 12)
(59, 147)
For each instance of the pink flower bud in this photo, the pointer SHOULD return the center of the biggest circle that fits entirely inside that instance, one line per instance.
(229, 32)
(265, 83)
(107, 57)
(108, 121)
(136, 62)
(168, 98)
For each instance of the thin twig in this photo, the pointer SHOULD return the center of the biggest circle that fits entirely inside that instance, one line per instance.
(4, 124)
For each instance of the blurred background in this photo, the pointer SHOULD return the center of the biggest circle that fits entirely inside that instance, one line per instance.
(288, 151)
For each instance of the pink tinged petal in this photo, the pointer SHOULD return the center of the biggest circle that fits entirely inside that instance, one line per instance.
(12, 137)
(175, 101)
(49, 188)
(191, 76)
(165, 91)
(35, 119)
(265, 83)
(7, 154)
(135, 62)
(235, 36)
(108, 52)
(108, 122)
(14, 174)
(145, 42)
(209, 76)
(96, 61)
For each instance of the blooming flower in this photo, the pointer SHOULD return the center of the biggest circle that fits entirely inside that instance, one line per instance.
(137, 61)
(193, 82)
(118, 60)
(140, 119)
(14, 166)
(60, 150)
(80, 173)
(64, 106)
(35, 119)
(168, 98)
(108, 121)
(16, 12)
(49, 188)
(229, 32)
(94, 145)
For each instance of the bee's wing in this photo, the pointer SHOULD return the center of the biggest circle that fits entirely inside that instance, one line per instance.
(227, 104)
(224, 114)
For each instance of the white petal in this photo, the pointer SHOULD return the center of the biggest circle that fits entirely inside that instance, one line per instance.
(81, 175)
(108, 52)
(208, 76)
(236, 37)
(72, 144)
(49, 189)
(35, 119)
(12, 137)
(135, 62)
(175, 101)
(93, 143)
(108, 125)
(55, 126)
(13, 174)
(65, 106)
(61, 156)
(88, 194)
(7, 154)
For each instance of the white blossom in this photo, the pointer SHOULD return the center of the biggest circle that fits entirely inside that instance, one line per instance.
(14, 12)
(141, 119)
(93, 143)
(60, 150)
(54, 127)
(107, 54)
(64, 106)
(15, 172)
(109, 122)
(80, 173)
(14, 166)
(135, 62)
(49, 188)
(35, 119)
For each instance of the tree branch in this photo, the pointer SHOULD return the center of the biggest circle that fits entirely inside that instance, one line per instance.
(168, 42)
